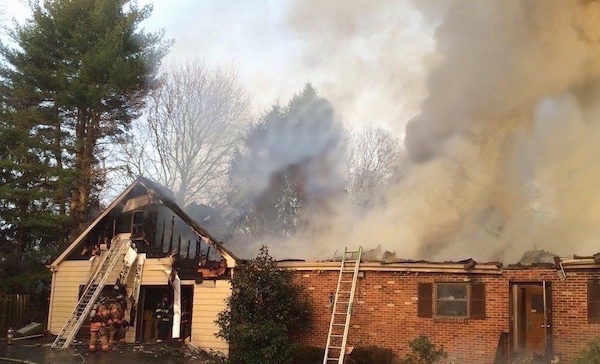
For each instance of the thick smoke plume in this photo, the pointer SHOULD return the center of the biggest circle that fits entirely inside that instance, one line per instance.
(505, 146)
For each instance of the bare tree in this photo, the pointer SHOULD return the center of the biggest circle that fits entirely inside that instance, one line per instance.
(192, 127)
(374, 161)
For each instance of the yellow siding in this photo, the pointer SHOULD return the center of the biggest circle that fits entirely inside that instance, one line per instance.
(73, 273)
(154, 271)
(209, 300)
(70, 275)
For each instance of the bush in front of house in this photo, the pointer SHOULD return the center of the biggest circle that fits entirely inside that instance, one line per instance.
(264, 307)
(370, 355)
(424, 351)
(306, 354)
(591, 354)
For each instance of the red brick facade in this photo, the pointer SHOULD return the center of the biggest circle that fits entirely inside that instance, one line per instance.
(385, 311)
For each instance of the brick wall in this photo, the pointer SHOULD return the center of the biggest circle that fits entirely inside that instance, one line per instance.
(385, 312)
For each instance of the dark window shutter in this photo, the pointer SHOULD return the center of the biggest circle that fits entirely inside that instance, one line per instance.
(593, 303)
(425, 303)
(478, 301)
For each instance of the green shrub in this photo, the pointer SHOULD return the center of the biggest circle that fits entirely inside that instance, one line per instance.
(264, 307)
(308, 355)
(424, 352)
(591, 354)
(370, 355)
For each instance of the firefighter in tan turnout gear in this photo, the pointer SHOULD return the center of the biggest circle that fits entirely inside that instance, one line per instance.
(117, 322)
(99, 317)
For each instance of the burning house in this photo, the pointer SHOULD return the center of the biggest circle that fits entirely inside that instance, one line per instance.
(172, 254)
(479, 312)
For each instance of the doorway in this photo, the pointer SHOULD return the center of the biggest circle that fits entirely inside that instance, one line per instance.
(150, 296)
(531, 318)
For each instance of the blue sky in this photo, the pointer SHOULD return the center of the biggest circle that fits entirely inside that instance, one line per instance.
(368, 58)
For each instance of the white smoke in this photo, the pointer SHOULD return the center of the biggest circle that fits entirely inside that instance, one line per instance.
(509, 129)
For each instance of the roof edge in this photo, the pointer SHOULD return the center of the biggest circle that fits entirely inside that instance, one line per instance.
(480, 268)
(103, 214)
(231, 258)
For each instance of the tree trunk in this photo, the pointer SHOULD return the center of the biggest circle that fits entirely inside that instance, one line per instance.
(21, 233)
(85, 143)
(61, 198)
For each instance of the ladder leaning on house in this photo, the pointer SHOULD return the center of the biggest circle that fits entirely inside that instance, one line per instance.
(342, 307)
(119, 249)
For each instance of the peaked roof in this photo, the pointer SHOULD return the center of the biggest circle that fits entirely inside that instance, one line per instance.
(166, 197)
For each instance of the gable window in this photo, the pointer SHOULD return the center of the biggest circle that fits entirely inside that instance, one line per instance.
(593, 302)
(451, 300)
(137, 225)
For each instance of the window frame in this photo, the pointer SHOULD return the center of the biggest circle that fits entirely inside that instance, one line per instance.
(466, 300)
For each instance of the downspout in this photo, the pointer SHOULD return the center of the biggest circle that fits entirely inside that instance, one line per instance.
(50, 308)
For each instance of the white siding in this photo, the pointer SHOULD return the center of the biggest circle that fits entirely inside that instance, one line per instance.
(209, 300)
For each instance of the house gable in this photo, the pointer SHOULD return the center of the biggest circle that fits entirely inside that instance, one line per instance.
(137, 196)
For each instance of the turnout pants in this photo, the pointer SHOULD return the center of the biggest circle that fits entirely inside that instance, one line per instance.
(101, 335)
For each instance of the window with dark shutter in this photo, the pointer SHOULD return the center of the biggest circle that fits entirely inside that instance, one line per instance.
(593, 303)
(477, 301)
(451, 300)
(425, 303)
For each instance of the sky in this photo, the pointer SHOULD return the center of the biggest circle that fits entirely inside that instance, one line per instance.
(494, 64)
(368, 62)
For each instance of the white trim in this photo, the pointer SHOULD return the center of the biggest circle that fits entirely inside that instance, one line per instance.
(482, 268)
(51, 300)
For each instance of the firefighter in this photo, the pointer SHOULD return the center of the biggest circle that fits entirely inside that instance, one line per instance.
(104, 310)
(98, 320)
(163, 314)
(117, 318)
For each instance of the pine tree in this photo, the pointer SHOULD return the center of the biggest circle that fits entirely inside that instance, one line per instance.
(284, 153)
(75, 80)
(72, 79)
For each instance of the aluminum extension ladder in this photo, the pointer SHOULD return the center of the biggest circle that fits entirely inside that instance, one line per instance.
(119, 247)
(342, 307)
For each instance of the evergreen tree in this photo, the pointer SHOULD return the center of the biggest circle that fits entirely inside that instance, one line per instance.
(283, 165)
(76, 78)
(72, 79)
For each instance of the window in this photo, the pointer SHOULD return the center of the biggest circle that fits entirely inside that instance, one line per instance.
(451, 300)
(593, 297)
(137, 225)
